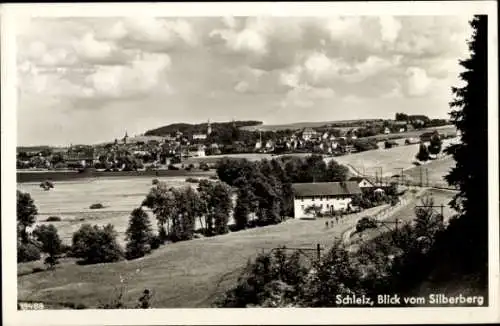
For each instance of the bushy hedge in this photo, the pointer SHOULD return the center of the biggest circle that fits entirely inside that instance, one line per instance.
(53, 219)
(96, 206)
(96, 245)
(27, 252)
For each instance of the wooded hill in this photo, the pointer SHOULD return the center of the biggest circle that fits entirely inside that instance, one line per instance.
(201, 128)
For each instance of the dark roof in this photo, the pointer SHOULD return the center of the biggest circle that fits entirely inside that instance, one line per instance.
(326, 188)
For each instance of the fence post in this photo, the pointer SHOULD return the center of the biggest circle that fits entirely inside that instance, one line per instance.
(318, 249)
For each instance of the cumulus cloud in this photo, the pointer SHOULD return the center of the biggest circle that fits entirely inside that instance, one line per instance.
(144, 74)
(389, 28)
(252, 38)
(284, 63)
(418, 83)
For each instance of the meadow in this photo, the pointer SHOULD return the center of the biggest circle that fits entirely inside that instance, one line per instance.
(188, 274)
(390, 160)
(70, 200)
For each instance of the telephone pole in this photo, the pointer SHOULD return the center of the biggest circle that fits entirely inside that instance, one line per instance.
(421, 182)
(427, 176)
(401, 176)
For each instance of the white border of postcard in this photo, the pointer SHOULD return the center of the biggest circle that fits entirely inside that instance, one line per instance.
(13, 16)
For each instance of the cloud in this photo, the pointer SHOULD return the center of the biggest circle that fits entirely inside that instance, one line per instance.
(263, 68)
(389, 28)
(143, 75)
(252, 38)
(417, 83)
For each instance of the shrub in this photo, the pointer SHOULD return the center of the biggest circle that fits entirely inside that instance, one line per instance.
(155, 182)
(53, 219)
(155, 242)
(204, 166)
(96, 245)
(192, 180)
(213, 177)
(173, 167)
(96, 206)
(27, 252)
(37, 270)
(365, 223)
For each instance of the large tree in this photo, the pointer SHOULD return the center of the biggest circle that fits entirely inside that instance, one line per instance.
(50, 242)
(468, 235)
(139, 234)
(26, 214)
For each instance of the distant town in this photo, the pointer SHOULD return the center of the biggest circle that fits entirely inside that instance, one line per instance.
(170, 146)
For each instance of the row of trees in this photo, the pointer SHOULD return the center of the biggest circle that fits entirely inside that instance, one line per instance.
(264, 188)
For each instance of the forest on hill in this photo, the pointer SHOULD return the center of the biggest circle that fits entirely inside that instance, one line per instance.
(187, 128)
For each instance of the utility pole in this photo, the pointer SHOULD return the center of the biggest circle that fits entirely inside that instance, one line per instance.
(421, 184)
(427, 176)
(401, 176)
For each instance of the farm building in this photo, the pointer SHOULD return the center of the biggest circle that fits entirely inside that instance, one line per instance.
(363, 183)
(329, 196)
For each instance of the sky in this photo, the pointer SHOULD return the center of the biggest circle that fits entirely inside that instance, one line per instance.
(88, 80)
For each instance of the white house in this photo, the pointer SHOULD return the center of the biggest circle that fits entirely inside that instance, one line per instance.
(309, 133)
(199, 136)
(363, 183)
(387, 130)
(329, 196)
(198, 151)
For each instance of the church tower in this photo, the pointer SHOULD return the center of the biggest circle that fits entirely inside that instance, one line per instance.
(209, 128)
(125, 137)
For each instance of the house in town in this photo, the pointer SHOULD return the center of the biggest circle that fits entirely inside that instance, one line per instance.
(329, 196)
(309, 133)
(387, 130)
(426, 136)
(196, 151)
(199, 137)
(80, 159)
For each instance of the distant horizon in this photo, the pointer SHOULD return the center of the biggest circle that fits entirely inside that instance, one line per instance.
(220, 121)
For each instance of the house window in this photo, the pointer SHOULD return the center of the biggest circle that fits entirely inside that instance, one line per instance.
(327, 205)
(302, 207)
(321, 206)
(302, 199)
(312, 199)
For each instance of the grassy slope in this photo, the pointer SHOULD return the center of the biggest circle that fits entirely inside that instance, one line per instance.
(186, 274)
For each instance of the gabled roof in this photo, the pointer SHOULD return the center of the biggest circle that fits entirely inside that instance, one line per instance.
(326, 189)
(359, 179)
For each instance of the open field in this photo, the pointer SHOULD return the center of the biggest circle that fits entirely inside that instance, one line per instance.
(390, 160)
(214, 159)
(71, 201)
(414, 133)
(301, 125)
(186, 274)
(434, 171)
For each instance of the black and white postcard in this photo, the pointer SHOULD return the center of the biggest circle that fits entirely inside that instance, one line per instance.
(172, 161)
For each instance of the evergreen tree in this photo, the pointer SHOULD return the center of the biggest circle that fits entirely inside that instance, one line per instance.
(423, 153)
(139, 234)
(468, 235)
